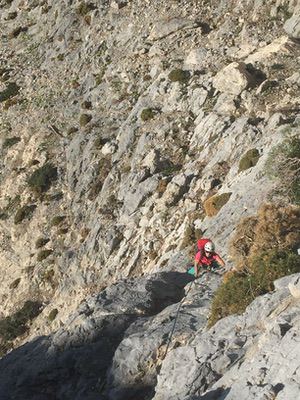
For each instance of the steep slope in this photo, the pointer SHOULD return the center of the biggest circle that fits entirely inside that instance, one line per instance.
(119, 122)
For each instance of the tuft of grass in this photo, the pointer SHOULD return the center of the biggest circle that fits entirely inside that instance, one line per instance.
(84, 8)
(104, 167)
(63, 231)
(52, 315)
(11, 90)
(43, 254)
(85, 119)
(9, 142)
(57, 220)
(48, 276)
(274, 227)
(41, 242)
(15, 283)
(24, 212)
(17, 31)
(249, 159)
(147, 114)
(41, 179)
(179, 75)
(162, 186)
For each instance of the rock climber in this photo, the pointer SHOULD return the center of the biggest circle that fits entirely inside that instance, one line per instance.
(206, 259)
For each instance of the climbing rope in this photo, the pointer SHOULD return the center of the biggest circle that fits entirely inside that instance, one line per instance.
(179, 306)
(175, 320)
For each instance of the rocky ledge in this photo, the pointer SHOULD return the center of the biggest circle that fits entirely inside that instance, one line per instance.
(114, 346)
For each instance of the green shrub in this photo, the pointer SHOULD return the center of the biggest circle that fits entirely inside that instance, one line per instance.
(72, 130)
(241, 288)
(57, 220)
(41, 180)
(52, 315)
(15, 283)
(3, 215)
(283, 164)
(85, 119)
(11, 90)
(171, 169)
(24, 212)
(43, 254)
(179, 75)
(85, 8)
(87, 105)
(17, 31)
(249, 159)
(13, 203)
(41, 242)
(63, 231)
(15, 325)
(10, 142)
(12, 15)
(147, 114)
(277, 66)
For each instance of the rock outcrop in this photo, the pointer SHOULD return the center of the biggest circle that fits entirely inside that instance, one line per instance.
(114, 346)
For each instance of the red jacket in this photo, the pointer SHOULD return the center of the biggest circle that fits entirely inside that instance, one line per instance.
(201, 258)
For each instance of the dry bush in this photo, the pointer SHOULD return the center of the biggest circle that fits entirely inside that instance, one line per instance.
(263, 249)
(278, 227)
(243, 241)
(275, 227)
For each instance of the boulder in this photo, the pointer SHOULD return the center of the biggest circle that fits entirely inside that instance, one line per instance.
(294, 287)
(233, 79)
(197, 57)
(292, 26)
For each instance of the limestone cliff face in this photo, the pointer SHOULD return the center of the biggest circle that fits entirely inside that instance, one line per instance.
(126, 128)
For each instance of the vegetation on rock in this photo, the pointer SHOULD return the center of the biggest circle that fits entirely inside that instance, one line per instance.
(10, 142)
(147, 114)
(214, 203)
(249, 159)
(263, 250)
(85, 119)
(11, 90)
(43, 254)
(24, 212)
(57, 220)
(241, 288)
(179, 75)
(41, 242)
(41, 179)
(17, 324)
(52, 315)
